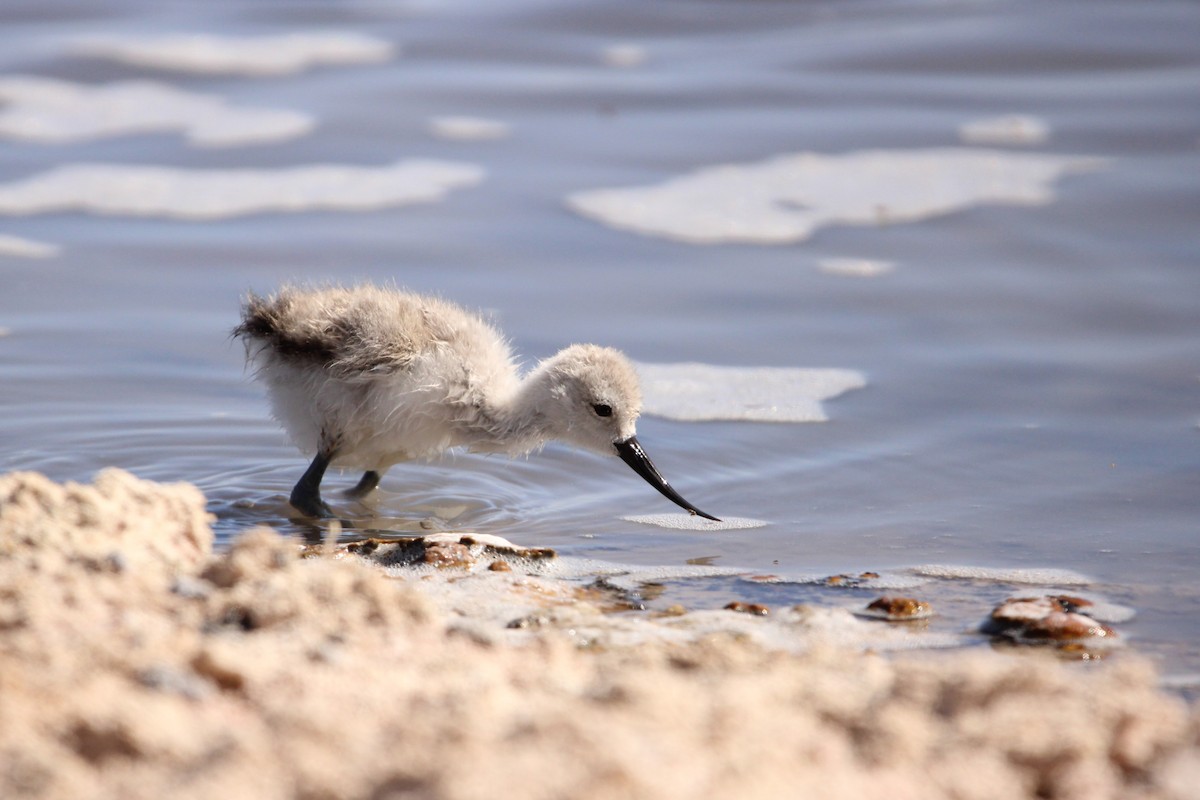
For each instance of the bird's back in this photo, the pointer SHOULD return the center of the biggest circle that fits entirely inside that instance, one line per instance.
(343, 330)
(389, 351)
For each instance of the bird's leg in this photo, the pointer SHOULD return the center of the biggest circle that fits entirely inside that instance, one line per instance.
(306, 496)
(368, 483)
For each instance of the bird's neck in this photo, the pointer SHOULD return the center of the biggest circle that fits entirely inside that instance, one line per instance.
(519, 422)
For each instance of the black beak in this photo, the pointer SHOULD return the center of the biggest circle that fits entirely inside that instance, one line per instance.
(631, 452)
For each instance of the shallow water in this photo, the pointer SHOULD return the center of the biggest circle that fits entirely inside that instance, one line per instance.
(1031, 395)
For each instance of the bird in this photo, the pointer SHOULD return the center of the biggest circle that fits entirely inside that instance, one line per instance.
(365, 377)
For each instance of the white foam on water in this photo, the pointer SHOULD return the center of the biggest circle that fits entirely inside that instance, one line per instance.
(691, 522)
(872, 613)
(699, 392)
(624, 55)
(16, 247)
(1107, 611)
(889, 581)
(54, 111)
(469, 129)
(630, 578)
(1011, 129)
(855, 267)
(239, 55)
(797, 629)
(155, 191)
(787, 198)
(1033, 576)
(553, 595)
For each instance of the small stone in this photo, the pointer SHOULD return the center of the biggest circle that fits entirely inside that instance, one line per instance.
(363, 548)
(1048, 619)
(1060, 625)
(756, 609)
(1023, 609)
(900, 608)
(1071, 603)
(500, 566)
(448, 555)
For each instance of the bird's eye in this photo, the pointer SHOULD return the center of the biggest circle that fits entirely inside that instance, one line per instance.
(602, 409)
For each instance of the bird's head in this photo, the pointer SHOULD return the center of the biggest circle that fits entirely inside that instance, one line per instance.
(593, 400)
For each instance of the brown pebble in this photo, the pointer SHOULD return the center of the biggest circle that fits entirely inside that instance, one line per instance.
(900, 607)
(1060, 625)
(674, 611)
(363, 548)
(500, 566)
(1051, 618)
(1024, 609)
(444, 555)
(850, 581)
(757, 609)
(1071, 603)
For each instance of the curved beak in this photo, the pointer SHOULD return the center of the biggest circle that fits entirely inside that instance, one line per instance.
(631, 452)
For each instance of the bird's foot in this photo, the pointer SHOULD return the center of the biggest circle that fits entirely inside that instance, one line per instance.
(368, 483)
(310, 504)
(306, 496)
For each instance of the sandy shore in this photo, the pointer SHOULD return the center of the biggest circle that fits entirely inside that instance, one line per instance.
(135, 663)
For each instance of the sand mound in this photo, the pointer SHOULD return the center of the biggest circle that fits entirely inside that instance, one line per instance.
(119, 519)
(166, 673)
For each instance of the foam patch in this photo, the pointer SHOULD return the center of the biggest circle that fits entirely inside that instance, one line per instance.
(546, 593)
(700, 392)
(855, 267)
(691, 522)
(239, 55)
(1033, 576)
(469, 129)
(1011, 129)
(151, 191)
(54, 112)
(624, 55)
(878, 581)
(16, 247)
(788, 198)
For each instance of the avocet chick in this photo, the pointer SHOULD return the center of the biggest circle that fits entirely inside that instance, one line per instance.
(367, 377)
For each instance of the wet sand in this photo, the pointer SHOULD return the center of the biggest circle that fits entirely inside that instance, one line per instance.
(135, 663)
